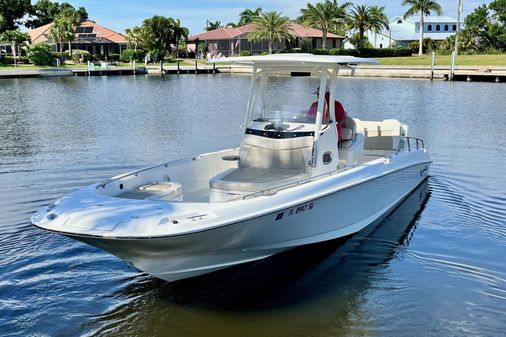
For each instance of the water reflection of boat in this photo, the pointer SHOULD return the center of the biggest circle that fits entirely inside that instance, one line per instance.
(315, 280)
(298, 178)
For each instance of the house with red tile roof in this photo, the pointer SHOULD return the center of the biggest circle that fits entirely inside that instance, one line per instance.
(90, 36)
(232, 41)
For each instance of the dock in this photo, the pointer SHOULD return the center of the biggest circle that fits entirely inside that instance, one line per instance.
(109, 72)
(477, 77)
(191, 70)
(27, 73)
(496, 74)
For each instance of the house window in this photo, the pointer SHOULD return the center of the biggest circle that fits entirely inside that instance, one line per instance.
(399, 21)
(438, 28)
(429, 28)
(446, 28)
(454, 27)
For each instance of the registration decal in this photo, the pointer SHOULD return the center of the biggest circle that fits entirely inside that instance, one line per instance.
(296, 210)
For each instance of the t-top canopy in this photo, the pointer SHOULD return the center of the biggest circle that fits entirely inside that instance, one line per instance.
(295, 59)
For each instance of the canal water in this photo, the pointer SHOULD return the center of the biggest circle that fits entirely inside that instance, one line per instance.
(434, 267)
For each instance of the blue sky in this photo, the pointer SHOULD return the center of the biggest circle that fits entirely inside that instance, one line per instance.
(121, 14)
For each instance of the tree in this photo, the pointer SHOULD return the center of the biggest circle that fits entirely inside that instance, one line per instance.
(12, 11)
(485, 28)
(248, 15)
(42, 13)
(157, 36)
(133, 37)
(270, 26)
(368, 18)
(82, 14)
(180, 33)
(45, 11)
(379, 19)
(63, 27)
(15, 38)
(324, 15)
(213, 25)
(424, 7)
(499, 7)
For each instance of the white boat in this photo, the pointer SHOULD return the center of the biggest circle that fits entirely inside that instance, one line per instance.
(290, 182)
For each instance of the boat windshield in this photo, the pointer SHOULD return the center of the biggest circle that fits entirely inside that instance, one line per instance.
(285, 100)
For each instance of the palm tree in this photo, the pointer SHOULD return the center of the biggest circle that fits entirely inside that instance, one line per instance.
(73, 19)
(368, 18)
(63, 27)
(57, 33)
(133, 37)
(248, 15)
(180, 33)
(270, 26)
(424, 7)
(213, 25)
(15, 38)
(324, 16)
(379, 20)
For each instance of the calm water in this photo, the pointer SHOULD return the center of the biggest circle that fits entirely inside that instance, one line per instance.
(435, 266)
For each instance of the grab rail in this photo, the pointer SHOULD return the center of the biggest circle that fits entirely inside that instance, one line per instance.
(105, 182)
(404, 139)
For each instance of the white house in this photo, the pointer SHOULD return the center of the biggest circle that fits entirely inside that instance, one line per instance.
(403, 31)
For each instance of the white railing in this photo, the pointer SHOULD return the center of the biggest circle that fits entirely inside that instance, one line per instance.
(405, 142)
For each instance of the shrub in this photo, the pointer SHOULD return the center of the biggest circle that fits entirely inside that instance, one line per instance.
(245, 53)
(341, 51)
(114, 57)
(306, 45)
(128, 55)
(79, 55)
(428, 45)
(58, 55)
(40, 54)
(264, 53)
(321, 51)
(10, 60)
(355, 40)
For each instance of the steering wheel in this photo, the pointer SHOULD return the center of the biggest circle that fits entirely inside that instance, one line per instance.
(278, 128)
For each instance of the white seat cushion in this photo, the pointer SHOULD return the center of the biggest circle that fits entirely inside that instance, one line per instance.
(255, 179)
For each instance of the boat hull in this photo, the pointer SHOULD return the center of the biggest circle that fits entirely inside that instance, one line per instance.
(327, 217)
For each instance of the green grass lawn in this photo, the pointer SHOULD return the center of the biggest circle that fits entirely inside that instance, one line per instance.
(445, 60)
(65, 66)
(425, 60)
